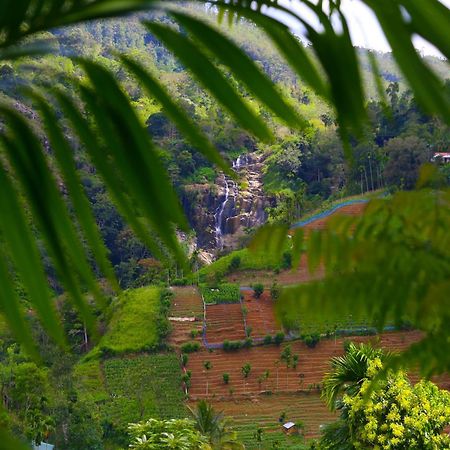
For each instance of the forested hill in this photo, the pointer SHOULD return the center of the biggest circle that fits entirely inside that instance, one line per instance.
(278, 181)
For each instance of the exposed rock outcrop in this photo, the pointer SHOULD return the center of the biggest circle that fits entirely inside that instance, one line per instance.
(220, 213)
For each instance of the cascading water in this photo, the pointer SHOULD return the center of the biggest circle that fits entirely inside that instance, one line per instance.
(231, 192)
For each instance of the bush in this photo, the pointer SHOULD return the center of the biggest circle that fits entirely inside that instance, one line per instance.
(275, 291)
(258, 289)
(194, 333)
(190, 347)
(180, 282)
(286, 260)
(247, 343)
(311, 340)
(231, 345)
(267, 339)
(226, 378)
(278, 338)
(234, 263)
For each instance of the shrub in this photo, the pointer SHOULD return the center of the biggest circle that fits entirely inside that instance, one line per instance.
(267, 339)
(275, 291)
(278, 338)
(311, 340)
(231, 345)
(247, 343)
(246, 369)
(226, 378)
(258, 289)
(194, 333)
(190, 347)
(286, 260)
(180, 282)
(234, 263)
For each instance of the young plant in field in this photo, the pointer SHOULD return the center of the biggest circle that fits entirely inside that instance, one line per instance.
(246, 369)
(295, 361)
(226, 378)
(184, 359)
(275, 291)
(208, 366)
(258, 290)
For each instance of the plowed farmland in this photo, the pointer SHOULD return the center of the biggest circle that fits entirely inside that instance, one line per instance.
(312, 365)
(186, 304)
(260, 315)
(224, 322)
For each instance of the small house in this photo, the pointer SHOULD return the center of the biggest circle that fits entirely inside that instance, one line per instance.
(290, 428)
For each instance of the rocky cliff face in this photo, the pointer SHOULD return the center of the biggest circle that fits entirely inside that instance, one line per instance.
(220, 213)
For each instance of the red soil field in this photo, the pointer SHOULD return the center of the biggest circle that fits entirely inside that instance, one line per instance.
(348, 210)
(260, 315)
(312, 366)
(224, 322)
(187, 302)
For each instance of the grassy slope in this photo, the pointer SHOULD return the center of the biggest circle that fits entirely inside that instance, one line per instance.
(131, 387)
(133, 326)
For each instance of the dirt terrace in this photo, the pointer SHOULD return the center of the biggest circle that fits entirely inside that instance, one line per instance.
(224, 322)
(312, 366)
(187, 302)
(260, 315)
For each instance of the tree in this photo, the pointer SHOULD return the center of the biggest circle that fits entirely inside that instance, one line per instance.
(406, 155)
(167, 434)
(388, 414)
(348, 371)
(397, 414)
(246, 369)
(213, 425)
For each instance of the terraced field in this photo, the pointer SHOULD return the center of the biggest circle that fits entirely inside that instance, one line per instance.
(260, 315)
(224, 321)
(312, 365)
(186, 314)
(264, 411)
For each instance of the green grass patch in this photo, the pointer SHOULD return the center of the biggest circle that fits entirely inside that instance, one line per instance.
(89, 381)
(248, 261)
(138, 323)
(142, 387)
(269, 438)
(222, 293)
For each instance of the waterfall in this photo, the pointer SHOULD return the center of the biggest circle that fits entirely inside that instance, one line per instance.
(231, 192)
